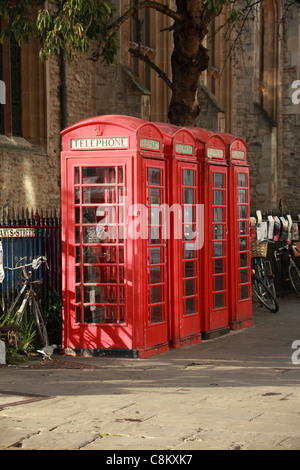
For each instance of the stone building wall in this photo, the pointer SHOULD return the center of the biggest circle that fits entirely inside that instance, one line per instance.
(260, 110)
(273, 138)
(120, 92)
(271, 128)
(288, 170)
(81, 96)
(30, 176)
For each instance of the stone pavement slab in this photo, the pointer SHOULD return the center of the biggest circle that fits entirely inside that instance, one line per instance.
(237, 392)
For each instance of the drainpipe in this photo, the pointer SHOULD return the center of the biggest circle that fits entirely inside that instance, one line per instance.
(63, 92)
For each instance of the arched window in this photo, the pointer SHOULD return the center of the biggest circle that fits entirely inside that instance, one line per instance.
(10, 74)
(23, 114)
(140, 41)
(268, 66)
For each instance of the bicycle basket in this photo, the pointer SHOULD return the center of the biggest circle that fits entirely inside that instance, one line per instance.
(296, 252)
(259, 249)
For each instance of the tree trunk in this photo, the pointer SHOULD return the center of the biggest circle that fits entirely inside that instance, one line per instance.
(188, 60)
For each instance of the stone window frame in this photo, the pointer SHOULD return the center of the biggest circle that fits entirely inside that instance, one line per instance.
(24, 113)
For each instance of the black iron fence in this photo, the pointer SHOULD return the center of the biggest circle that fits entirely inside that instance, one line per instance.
(26, 235)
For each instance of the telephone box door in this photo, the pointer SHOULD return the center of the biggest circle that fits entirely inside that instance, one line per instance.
(156, 321)
(218, 248)
(240, 249)
(98, 307)
(189, 253)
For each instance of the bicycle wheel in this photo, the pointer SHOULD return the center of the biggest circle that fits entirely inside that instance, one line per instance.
(39, 322)
(295, 278)
(269, 277)
(261, 293)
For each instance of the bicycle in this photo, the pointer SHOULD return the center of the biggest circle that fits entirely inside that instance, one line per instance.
(263, 271)
(28, 295)
(261, 294)
(294, 272)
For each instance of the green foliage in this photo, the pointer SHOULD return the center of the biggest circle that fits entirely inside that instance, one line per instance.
(69, 26)
(235, 16)
(18, 19)
(214, 7)
(6, 318)
(27, 335)
(11, 354)
(73, 26)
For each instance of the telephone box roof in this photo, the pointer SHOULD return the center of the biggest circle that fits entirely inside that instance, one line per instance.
(127, 122)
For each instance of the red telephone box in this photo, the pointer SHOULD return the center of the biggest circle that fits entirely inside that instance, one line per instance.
(239, 216)
(138, 274)
(211, 152)
(186, 242)
(114, 258)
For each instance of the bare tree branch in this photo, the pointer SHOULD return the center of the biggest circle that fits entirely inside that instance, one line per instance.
(139, 6)
(114, 27)
(144, 58)
(237, 29)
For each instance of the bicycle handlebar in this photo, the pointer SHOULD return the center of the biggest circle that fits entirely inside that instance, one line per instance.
(284, 248)
(38, 261)
(35, 264)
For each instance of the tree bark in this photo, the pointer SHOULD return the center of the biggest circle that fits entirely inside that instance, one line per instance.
(189, 59)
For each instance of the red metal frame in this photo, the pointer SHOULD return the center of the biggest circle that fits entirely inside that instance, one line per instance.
(139, 295)
(239, 214)
(156, 300)
(184, 284)
(186, 318)
(104, 282)
(211, 151)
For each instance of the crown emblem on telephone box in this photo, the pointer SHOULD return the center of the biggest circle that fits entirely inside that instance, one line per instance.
(98, 130)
